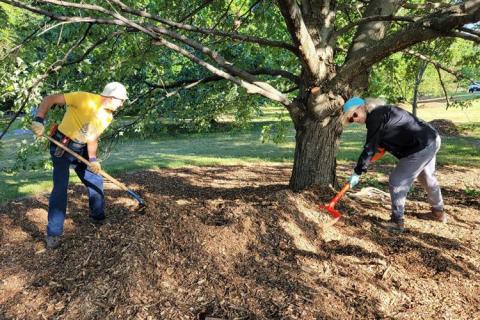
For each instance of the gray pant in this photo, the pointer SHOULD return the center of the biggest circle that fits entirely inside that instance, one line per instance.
(422, 165)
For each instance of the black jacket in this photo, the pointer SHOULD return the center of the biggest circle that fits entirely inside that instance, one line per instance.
(397, 131)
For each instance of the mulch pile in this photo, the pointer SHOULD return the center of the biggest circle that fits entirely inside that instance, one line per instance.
(235, 243)
(445, 127)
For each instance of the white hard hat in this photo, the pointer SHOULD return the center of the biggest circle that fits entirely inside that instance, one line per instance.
(115, 90)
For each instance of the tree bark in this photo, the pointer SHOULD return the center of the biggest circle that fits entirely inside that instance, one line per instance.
(316, 144)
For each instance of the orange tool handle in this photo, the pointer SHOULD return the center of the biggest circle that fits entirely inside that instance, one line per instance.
(378, 155)
(339, 195)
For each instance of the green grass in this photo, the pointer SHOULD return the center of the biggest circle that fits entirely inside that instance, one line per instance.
(235, 148)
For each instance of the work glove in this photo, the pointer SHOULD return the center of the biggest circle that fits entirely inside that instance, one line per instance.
(354, 179)
(95, 166)
(37, 127)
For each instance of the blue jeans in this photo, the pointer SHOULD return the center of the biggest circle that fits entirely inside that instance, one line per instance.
(57, 205)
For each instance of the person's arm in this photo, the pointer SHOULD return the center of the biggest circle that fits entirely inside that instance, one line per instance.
(38, 127)
(48, 102)
(92, 146)
(375, 126)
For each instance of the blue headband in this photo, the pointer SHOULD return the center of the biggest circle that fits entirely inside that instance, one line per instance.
(353, 103)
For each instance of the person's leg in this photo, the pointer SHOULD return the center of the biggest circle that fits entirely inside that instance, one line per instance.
(94, 184)
(402, 177)
(428, 180)
(57, 205)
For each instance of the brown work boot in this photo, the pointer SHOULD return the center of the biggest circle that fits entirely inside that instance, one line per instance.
(439, 215)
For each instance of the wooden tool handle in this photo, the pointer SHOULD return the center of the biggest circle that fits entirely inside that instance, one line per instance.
(82, 159)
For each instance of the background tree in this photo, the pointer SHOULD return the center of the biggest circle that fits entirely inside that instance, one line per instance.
(309, 56)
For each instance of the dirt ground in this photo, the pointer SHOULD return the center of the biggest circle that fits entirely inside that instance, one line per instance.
(234, 242)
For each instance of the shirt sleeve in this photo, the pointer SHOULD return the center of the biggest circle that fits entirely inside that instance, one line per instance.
(74, 99)
(375, 124)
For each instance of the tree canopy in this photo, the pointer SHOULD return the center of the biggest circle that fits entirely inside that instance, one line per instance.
(192, 64)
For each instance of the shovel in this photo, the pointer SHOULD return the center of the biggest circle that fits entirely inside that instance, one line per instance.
(331, 206)
(141, 203)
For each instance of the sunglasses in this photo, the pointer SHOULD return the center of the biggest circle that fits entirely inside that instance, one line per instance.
(354, 115)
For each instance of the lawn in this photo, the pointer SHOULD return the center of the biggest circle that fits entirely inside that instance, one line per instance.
(234, 148)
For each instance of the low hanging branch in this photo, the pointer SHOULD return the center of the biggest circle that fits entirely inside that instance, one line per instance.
(56, 66)
(270, 72)
(23, 42)
(232, 73)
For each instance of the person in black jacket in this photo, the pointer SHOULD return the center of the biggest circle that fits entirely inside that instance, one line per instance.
(414, 142)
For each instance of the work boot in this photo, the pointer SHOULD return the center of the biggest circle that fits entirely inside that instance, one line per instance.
(52, 242)
(439, 215)
(393, 226)
(97, 222)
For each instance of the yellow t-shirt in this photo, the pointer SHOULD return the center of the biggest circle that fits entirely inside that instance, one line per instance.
(85, 119)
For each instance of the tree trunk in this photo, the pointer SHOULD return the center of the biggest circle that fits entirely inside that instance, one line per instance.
(315, 153)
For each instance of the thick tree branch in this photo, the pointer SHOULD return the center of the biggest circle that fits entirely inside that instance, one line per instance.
(389, 17)
(300, 36)
(257, 87)
(432, 26)
(367, 35)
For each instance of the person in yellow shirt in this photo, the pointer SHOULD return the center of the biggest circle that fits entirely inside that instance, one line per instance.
(86, 117)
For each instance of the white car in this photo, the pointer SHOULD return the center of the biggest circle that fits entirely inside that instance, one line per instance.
(474, 86)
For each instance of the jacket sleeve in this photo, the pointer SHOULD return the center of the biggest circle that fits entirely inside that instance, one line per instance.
(375, 123)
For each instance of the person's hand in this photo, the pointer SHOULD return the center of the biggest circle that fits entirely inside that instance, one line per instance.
(37, 127)
(95, 166)
(354, 179)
